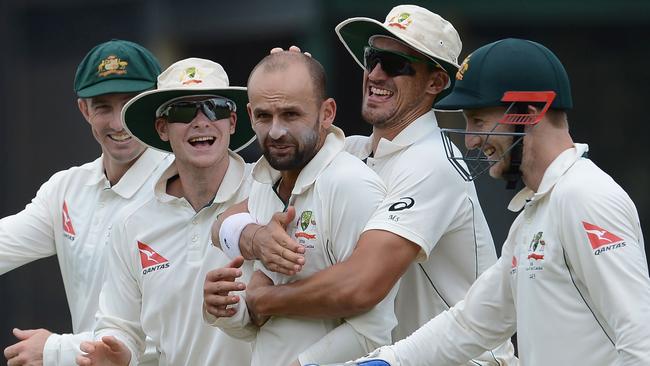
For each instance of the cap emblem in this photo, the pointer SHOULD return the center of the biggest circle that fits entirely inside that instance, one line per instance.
(463, 68)
(112, 65)
(401, 20)
(191, 75)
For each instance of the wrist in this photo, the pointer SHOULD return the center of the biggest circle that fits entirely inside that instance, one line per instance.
(231, 231)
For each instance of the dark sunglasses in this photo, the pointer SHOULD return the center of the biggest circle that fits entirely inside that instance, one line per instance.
(184, 111)
(393, 63)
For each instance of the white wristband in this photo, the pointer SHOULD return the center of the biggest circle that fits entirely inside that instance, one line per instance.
(230, 232)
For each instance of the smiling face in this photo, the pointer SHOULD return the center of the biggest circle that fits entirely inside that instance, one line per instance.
(389, 101)
(493, 147)
(201, 143)
(103, 113)
(289, 119)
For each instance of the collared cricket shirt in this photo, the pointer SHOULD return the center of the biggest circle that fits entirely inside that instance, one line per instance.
(161, 254)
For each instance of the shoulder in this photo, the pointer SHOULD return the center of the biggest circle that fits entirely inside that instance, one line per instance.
(346, 169)
(585, 181)
(358, 146)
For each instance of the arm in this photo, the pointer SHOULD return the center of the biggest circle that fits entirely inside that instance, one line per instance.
(345, 289)
(480, 322)
(612, 277)
(29, 234)
(120, 301)
(273, 247)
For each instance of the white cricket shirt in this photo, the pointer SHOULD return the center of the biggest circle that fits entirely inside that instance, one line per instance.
(429, 204)
(573, 280)
(161, 254)
(70, 217)
(334, 196)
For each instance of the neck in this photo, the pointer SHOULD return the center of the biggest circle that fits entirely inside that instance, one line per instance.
(115, 170)
(389, 131)
(198, 186)
(287, 182)
(544, 154)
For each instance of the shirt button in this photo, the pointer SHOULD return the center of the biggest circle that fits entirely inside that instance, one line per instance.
(195, 238)
(194, 222)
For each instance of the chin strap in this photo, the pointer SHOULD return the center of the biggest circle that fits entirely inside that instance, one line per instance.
(513, 175)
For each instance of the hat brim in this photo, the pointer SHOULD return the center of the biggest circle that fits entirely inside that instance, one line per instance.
(461, 98)
(116, 86)
(139, 115)
(355, 33)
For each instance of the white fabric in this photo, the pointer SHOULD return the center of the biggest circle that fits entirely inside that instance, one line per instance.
(90, 206)
(157, 290)
(575, 297)
(444, 218)
(230, 231)
(334, 195)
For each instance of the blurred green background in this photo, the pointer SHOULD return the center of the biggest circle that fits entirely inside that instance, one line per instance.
(603, 45)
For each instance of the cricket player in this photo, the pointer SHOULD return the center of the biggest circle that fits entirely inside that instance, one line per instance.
(573, 279)
(73, 211)
(430, 229)
(160, 247)
(333, 194)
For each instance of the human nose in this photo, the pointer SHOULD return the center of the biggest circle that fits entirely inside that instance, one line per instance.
(200, 120)
(377, 72)
(472, 140)
(278, 129)
(116, 120)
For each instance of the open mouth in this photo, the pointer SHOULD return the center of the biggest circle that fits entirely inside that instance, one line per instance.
(203, 141)
(379, 92)
(489, 151)
(119, 137)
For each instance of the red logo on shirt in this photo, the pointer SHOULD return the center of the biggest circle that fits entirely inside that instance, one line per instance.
(67, 223)
(598, 236)
(149, 257)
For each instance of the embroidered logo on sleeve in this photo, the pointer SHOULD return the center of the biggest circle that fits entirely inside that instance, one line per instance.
(68, 229)
(150, 259)
(602, 240)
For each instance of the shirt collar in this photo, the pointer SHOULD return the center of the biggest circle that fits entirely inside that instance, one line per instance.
(553, 173)
(264, 173)
(134, 178)
(229, 187)
(422, 126)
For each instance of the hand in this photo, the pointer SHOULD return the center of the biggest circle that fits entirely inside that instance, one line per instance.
(29, 349)
(292, 49)
(257, 282)
(275, 248)
(107, 352)
(217, 287)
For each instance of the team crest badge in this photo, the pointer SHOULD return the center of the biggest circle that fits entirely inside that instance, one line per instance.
(112, 65)
(305, 219)
(536, 248)
(191, 75)
(463, 68)
(400, 21)
(68, 229)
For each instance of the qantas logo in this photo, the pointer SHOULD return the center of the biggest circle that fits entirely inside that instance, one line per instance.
(602, 240)
(68, 229)
(150, 259)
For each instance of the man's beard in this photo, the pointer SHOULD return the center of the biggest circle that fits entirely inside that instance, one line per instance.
(301, 155)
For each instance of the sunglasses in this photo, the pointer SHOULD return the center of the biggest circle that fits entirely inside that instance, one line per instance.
(184, 111)
(393, 63)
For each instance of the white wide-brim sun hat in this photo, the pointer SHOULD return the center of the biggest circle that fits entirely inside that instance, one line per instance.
(188, 77)
(417, 27)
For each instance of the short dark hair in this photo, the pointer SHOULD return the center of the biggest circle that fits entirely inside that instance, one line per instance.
(284, 59)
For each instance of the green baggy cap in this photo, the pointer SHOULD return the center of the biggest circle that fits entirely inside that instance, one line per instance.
(116, 66)
(507, 65)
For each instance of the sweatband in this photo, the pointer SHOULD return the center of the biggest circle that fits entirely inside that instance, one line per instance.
(230, 232)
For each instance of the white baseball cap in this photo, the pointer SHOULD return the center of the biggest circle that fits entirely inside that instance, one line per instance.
(417, 27)
(188, 77)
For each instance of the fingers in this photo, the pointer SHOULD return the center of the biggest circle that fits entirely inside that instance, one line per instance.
(23, 334)
(285, 218)
(276, 49)
(223, 274)
(87, 347)
(82, 360)
(237, 262)
(113, 343)
(12, 351)
(292, 49)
